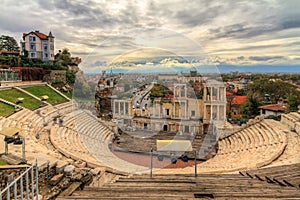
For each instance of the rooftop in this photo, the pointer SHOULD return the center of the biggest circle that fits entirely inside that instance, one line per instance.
(38, 34)
(274, 107)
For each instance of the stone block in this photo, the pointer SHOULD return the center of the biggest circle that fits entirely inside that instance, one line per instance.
(76, 177)
(96, 171)
(60, 166)
(55, 179)
(80, 164)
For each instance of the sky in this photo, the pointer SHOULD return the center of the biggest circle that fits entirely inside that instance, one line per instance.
(219, 32)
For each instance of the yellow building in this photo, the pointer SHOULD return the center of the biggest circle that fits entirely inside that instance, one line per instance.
(181, 114)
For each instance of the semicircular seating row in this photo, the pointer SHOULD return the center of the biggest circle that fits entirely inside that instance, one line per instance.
(85, 138)
(292, 120)
(292, 130)
(253, 147)
(67, 141)
(31, 123)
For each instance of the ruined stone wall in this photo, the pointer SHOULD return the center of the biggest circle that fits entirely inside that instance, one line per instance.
(55, 76)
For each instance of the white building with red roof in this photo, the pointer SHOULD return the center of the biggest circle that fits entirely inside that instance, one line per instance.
(273, 109)
(38, 45)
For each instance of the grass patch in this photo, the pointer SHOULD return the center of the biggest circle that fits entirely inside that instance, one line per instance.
(38, 91)
(12, 95)
(6, 109)
(2, 162)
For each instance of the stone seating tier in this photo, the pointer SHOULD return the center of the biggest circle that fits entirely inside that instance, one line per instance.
(68, 142)
(290, 119)
(255, 146)
(285, 175)
(209, 186)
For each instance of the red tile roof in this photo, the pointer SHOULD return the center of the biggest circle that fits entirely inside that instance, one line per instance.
(274, 107)
(228, 93)
(40, 35)
(16, 53)
(239, 100)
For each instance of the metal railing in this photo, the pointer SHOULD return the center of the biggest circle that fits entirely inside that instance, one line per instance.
(23, 189)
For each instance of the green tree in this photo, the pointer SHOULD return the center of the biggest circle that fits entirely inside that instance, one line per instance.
(8, 43)
(293, 102)
(70, 76)
(275, 90)
(250, 109)
(63, 57)
(240, 92)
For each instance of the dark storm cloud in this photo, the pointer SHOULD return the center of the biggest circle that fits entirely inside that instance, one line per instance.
(265, 58)
(293, 23)
(252, 47)
(248, 31)
(92, 15)
(195, 17)
(71, 7)
(82, 14)
(86, 25)
(261, 20)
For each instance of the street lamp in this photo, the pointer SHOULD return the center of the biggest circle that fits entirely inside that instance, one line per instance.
(12, 136)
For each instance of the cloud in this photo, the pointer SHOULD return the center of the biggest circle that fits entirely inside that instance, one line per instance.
(230, 31)
(265, 58)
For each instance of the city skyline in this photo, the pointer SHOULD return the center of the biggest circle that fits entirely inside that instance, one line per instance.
(261, 32)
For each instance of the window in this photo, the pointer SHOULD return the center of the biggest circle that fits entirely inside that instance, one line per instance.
(52, 47)
(165, 127)
(186, 129)
(32, 55)
(32, 47)
(167, 112)
(193, 113)
(46, 55)
(45, 47)
(145, 126)
(32, 38)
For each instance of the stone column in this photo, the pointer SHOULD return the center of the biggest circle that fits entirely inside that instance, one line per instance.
(218, 112)
(124, 111)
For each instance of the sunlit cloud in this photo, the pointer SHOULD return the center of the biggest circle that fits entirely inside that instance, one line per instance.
(220, 32)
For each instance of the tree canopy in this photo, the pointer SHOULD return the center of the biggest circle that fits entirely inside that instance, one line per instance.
(63, 57)
(8, 43)
(270, 91)
(266, 91)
